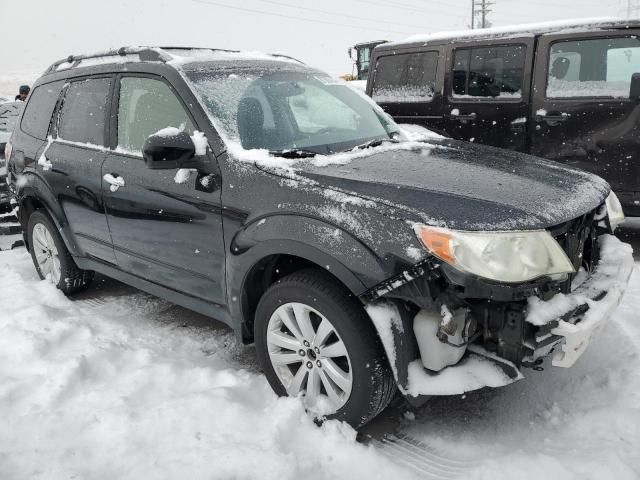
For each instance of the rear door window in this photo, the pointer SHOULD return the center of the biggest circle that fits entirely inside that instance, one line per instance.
(146, 106)
(494, 72)
(599, 67)
(37, 115)
(405, 78)
(83, 113)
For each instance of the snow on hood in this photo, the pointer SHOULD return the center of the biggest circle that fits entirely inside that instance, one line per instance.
(500, 190)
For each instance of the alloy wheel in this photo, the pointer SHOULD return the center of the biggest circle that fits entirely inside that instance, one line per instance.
(308, 355)
(46, 253)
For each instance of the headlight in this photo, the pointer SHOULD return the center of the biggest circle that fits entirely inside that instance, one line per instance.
(502, 256)
(614, 210)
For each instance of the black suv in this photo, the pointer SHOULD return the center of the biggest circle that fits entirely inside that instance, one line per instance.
(567, 91)
(263, 193)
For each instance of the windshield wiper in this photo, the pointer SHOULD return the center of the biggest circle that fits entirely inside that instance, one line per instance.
(293, 153)
(377, 142)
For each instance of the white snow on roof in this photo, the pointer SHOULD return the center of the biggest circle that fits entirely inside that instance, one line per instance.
(180, 57)
(519, 30)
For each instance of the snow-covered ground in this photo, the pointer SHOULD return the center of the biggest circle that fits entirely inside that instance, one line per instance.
(116, 383)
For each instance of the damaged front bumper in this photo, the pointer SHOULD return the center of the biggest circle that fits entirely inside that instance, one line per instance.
(567, 322)
(508, 328)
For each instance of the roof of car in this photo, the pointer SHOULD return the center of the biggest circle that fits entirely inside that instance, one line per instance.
(174, 56)
(530, 29)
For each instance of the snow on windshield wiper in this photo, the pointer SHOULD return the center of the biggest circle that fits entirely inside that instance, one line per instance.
(293, 153)
(377, 142)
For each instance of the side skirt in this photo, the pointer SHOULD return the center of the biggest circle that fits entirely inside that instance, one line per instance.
(215, 311)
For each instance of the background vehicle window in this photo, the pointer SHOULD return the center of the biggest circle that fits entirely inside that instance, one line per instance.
(593, 68)
(363, 60)
(145, 107)
(489, 71)
(315, 108)
(405, 78)
(37, 115)
(82, 118)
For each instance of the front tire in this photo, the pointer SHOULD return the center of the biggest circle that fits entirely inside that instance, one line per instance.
(314, 339)
(51, 258)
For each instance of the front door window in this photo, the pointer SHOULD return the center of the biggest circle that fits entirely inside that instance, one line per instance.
(146, 106)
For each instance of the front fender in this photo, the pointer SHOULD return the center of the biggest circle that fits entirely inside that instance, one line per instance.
(308, 238)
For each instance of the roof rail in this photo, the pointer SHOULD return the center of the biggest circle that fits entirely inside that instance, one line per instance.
(147, 54)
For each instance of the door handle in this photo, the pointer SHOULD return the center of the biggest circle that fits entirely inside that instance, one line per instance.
(552, 119)
(115, 181)
(464, 118)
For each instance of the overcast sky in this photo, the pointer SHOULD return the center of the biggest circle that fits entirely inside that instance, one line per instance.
(37, 32)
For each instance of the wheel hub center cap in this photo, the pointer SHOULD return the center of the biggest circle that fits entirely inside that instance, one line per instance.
(311, 353)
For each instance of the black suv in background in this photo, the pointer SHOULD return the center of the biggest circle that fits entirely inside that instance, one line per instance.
(261, 192)
(566, 91)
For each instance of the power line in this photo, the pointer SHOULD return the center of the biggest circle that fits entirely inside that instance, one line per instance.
(311, 9)
(395, 6)
(633, 7)
(292, 17)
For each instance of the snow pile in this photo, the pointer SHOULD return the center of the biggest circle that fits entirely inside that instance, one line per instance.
(199, 140)
(123, 390)
(386, 317)
(183, 175)
(418, 133)
(182, 57)
(168, 132)
(472, 373)
(358, 85)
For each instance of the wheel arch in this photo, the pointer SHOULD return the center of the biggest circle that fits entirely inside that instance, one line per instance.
(35, 195)
(272, 264)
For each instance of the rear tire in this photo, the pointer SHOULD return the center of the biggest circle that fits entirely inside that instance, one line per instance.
(51, 258)
(343, 364)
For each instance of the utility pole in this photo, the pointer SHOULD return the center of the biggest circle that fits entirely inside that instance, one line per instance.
(633, 7)
(482, 10)
(473, 14)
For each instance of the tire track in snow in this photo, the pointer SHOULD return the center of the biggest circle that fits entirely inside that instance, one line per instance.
(427, 460)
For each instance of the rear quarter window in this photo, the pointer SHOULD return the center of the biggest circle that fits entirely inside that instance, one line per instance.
(83, 112)
(39, 108)
(599, 67)
(408, 78)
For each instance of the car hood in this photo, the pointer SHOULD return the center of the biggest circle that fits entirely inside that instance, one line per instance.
(461, 185)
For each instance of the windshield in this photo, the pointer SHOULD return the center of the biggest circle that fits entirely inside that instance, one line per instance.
(290, 110)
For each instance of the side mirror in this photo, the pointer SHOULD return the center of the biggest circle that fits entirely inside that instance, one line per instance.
(634, 90)
(168, 149)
